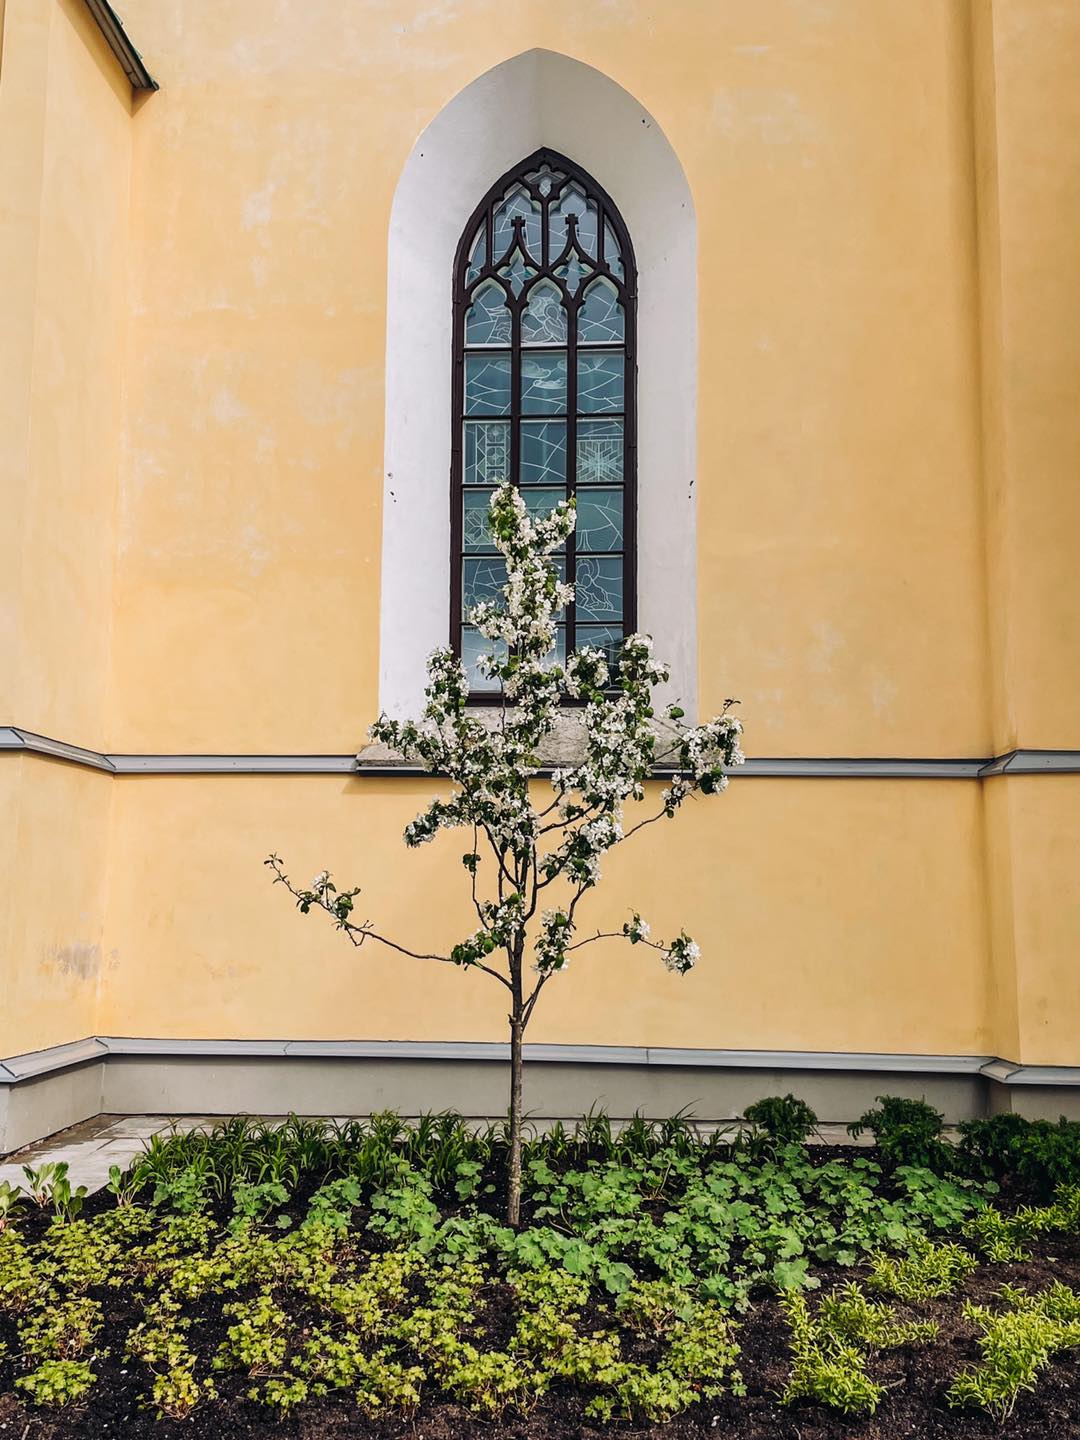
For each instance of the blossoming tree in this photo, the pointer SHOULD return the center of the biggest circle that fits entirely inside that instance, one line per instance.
(535, 852)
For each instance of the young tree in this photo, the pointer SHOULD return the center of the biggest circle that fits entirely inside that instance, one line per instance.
(535, 853)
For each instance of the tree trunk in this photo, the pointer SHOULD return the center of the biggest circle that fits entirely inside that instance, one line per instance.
(513, 1182)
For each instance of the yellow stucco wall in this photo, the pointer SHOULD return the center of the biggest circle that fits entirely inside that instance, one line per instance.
(837, 240)
(874, 881)
(65, 150)
(888, 216)
(54, 844)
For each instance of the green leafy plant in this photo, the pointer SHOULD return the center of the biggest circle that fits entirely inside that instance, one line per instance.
(830, 1349)
(908, 1132)
(1001, 1238)
(1016, 1345)
(57, 1382)
(257, 1341)
(924, 1271)
(42, 1182)
(1039, 1154)
(10, 1197)
(125, 1186)
(781, 1120)
(61, 1329)
(824, 1368)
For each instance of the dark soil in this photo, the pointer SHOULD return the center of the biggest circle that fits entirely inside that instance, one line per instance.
(917, 1377)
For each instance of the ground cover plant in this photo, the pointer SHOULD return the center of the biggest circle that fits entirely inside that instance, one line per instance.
(361, 1280)
(535, 846)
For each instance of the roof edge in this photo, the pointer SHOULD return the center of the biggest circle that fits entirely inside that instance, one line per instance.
(111, 26)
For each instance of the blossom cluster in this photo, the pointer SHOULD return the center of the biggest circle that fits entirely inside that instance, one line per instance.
(493, 766)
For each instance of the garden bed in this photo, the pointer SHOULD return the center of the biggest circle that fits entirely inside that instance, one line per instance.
(300, 1282)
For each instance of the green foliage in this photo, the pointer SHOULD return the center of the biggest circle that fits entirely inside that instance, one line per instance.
(177, 1392)
(49, 1185)
(782, 1120)
(1038, 1153)
(1015, 1346)
(1001, 1238)
(824, 1368)
(61, 1329)
(924, 1271)
(908, 1132)
(18, 1278)
(255, 1202)
(257, 1342)
(640, 1242)
(10, 1198)
(125, 1186)
(830, 1350)
(57, 1382)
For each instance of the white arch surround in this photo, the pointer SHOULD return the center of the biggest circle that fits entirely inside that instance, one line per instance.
(536, 99)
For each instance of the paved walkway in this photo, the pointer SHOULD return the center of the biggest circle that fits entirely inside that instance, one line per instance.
(91, 1147)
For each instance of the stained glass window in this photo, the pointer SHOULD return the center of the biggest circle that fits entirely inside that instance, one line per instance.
(544, 308)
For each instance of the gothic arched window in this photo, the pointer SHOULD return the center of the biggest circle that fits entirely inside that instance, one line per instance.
(544, 312)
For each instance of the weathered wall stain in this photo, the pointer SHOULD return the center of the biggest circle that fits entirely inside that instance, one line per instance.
(81, 960)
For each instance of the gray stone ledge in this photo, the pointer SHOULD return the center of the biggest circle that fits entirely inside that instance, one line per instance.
(375, 761)
(104, 1047)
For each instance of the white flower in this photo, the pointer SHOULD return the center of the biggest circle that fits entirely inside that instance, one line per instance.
(322, 879)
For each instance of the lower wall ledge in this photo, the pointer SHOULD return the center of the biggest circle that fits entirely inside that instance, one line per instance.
(46, 1090)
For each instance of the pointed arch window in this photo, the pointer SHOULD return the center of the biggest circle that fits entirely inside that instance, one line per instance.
(544, 394)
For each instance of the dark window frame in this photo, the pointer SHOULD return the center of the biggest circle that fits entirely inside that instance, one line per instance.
(608, 214)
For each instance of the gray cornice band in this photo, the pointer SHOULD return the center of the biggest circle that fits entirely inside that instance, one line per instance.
(111, 26)
(1016, 762)
(100, 1048)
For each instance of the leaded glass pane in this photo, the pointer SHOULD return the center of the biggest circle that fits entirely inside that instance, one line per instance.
(599, 452)
(599, 520)
(573, 274)
(482, 580)
(600, 319)
(608, 638)
(543, 384)
(487, 452)
(598, 588)
(475, 531)
(477, 253)
(517, 204)
(543, 452)
(517, 272)
(473, 645)
(487, 384)
(572, 202)
(488, 318)
(543, 321)
(612, 253)
(515, 323)
(600, 381)
(542, 502)
(545, 179)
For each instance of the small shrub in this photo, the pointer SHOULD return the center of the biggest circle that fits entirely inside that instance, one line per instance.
(907, 1132)
(830, 1350)
(825, 1369)
(1038, 1153)
(924, 1272)
(782, 1119)
(1001, 1238)
(1016, 1346)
